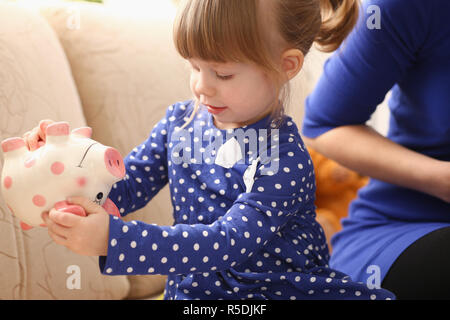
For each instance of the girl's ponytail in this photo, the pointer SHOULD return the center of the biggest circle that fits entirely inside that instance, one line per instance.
(338, 19)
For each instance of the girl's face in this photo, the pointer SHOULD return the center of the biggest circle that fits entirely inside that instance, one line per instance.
(236, 94)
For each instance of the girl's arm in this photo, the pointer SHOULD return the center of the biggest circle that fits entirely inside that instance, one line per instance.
(249, 224)
(146, 170)
(362, 149)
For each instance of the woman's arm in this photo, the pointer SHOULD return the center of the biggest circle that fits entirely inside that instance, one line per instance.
(355, 80)
(362, 149)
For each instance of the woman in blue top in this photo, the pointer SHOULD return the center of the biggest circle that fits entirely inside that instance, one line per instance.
(398, 227)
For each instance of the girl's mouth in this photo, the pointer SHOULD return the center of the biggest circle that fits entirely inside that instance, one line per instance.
(215, 110)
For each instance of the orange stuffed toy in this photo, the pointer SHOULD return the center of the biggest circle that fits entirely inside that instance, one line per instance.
(337, 186)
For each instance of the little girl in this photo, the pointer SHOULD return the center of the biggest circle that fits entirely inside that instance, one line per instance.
(241, 180)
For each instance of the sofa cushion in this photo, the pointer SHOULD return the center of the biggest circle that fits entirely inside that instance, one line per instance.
(36, 83)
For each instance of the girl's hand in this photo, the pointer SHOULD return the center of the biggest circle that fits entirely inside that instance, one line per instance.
(35, 138)
(83, 235)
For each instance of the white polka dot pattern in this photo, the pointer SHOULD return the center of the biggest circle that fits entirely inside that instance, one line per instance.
(231, 239)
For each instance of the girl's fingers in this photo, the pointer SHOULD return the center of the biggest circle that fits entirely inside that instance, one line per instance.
(57, 232)
(57, 229)
(43, 124)
(64, 219)
(36, 137)
(44, 216)
(25, 138)
(57, 238)
(33, 139)
(87, 204)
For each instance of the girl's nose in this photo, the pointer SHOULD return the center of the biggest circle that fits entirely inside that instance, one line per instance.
(203, 86)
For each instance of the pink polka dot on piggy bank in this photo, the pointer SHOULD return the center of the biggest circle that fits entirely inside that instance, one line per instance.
(39, 201)
(68, 164)
(57, 168)
(7, 182)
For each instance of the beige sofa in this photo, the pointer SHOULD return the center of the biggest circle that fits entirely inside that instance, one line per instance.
(89, 65)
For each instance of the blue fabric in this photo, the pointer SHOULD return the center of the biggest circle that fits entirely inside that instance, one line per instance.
(229, 240)
(410, 53)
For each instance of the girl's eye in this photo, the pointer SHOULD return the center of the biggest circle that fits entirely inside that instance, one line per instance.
(228, 77)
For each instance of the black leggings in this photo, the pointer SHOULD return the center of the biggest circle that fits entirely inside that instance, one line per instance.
(422, 271)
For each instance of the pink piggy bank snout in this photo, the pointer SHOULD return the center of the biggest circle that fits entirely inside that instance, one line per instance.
(114, 163)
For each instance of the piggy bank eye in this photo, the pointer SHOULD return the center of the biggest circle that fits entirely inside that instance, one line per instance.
(99, 196)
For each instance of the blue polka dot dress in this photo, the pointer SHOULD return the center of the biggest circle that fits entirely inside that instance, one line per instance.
(243, 205)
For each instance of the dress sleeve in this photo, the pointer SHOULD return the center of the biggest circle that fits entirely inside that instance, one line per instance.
(146, 170)
(357, 77)
(278, 194)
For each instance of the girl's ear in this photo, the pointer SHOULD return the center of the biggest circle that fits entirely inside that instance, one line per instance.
(292, 62)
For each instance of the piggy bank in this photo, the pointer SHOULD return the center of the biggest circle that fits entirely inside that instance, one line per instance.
(68, 164)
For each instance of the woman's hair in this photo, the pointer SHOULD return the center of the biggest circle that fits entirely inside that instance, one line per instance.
(231, 31)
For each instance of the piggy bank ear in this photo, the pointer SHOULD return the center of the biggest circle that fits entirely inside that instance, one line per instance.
(13, 145)
(83, 132)
(57, 132)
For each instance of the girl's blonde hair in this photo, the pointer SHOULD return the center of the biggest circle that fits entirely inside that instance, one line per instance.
(230, 31)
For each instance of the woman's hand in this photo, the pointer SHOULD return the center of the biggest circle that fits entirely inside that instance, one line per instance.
(35, 138)
(83, 235)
